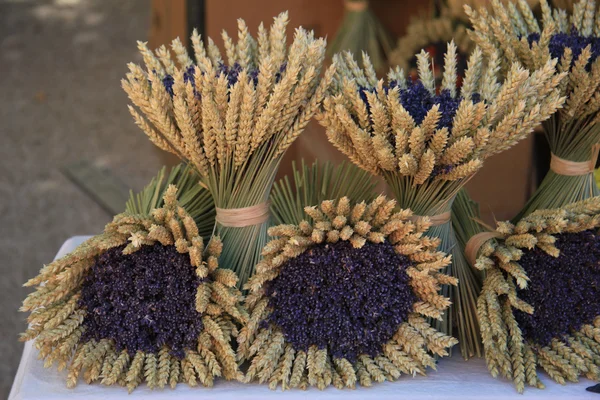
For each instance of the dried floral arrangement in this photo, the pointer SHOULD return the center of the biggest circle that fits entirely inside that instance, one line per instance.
(194, 198)
(573, 132)
(539, 302)
(316, 183)
(343, 300)
(143, 301)
(427, 144)
(361, 31)
(232, 119)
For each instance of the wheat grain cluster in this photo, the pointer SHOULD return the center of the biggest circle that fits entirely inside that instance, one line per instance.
(416, 132)
(573, 40)
(216, 112)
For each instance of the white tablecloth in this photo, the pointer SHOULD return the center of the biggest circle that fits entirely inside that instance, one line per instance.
(454, 379)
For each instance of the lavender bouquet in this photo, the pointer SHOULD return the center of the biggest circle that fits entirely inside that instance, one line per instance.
(343, 300)
(143, 301)
(539, 303)
(574, 41)
(427, 144)
(232, 119)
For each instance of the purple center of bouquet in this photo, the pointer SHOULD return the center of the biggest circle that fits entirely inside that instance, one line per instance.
(417, 100)
(230, 72)
(564, 290)
(574, 41)
(142, 300)
(349, 301)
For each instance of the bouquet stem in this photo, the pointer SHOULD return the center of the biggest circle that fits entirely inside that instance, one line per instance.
(242, 201)
(242, 248)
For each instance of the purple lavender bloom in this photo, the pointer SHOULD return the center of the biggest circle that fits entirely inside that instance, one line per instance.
(350, 301)
(417, 100)
(563, 290)
(142, 300)
(572, 40)
(188, 75)
(231, 73)
(441, 169)
(168, 82)
(279, 73)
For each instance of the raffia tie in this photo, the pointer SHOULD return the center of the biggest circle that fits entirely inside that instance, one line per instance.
(356, 6)
(241, 217)
(574, 168)
(475, 243)
(435, 220)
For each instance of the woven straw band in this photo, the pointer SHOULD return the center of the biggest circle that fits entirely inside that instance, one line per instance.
(475, 243)
(356, 6)
(574, 168)
(241, 217)
(435, 220)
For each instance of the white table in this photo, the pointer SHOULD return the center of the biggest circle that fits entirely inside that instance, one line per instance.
(455, 379)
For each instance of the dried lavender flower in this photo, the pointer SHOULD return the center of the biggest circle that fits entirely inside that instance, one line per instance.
(343, 299)
(561, 289)
(142, 301)
(539, 303)
(428, 142)
(329, 297)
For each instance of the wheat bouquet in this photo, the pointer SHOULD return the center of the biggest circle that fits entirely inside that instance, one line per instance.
(143, 301)
(343, 299)
(232, 119)
(427, 144)
(573, 132)
(539, 303)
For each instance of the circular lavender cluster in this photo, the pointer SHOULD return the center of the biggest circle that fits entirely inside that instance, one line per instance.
(563, 290)
(574, 41)
(142, 300)
(349, 301)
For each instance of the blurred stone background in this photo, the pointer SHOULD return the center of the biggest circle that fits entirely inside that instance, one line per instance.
(61, 102)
